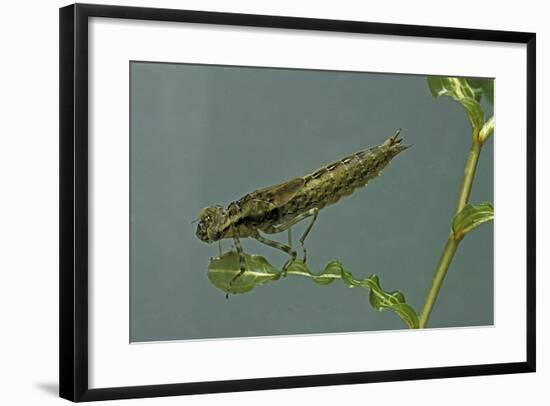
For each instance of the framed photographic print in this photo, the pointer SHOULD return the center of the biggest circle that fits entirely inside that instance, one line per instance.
(255, 202)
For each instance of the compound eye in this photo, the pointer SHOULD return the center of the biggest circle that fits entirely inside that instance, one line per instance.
(201, 232)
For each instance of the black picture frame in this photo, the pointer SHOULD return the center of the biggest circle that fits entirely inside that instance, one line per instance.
(73, 254)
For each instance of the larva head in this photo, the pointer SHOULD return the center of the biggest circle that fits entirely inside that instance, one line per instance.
(213, 222)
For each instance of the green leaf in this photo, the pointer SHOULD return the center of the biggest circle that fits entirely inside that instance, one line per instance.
(407, 314)
(485, 87)
(222, 271)
(457, 88)
(474, 113)
(332, 271)
(460, 90)
(436, 85)
(471, 217)
(395, 301)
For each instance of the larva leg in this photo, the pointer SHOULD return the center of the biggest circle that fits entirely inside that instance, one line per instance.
(306, 232)
(275, 244)
(289, 231)
(242, 260)
(280, 246)
(286, 226)
(220, 249)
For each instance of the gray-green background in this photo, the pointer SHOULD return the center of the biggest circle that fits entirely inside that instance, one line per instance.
(205, 135)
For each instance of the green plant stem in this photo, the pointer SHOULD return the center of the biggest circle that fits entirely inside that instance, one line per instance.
(452, 243)
(437, 281)
(469, 173)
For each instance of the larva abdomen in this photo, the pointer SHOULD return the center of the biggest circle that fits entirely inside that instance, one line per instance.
(328, 184)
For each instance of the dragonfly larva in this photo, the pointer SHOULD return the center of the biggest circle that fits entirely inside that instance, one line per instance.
(277, 208)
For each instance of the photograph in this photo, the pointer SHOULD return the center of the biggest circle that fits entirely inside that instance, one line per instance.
(255, 202)
(276, 201)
